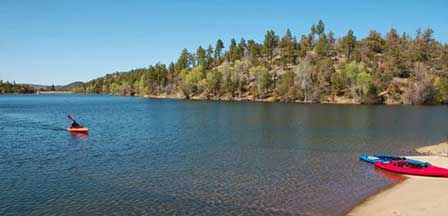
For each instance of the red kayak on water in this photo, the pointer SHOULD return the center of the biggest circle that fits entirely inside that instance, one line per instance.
(75, 127)
(78, 130)
(406, 167)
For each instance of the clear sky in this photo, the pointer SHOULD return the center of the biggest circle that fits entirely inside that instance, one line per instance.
(60, 41)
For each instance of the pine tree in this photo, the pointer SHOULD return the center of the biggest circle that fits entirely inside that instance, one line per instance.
(269, 44)
(183, 61)
(201, 57)
(348, 45)
(218, 51)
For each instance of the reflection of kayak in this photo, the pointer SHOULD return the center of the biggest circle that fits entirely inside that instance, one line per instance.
(386, 158)
(390, 175)
(406, 167)
(78, 130)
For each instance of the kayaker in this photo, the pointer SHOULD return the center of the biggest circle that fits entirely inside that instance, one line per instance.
(74, 123)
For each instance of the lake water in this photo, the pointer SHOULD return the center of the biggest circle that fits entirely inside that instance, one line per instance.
(178, 157)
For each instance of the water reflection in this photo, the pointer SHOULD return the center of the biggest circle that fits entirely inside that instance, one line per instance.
(79, 135)
(390, 175)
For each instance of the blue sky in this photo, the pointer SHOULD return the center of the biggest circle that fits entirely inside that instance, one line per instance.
(57, 42)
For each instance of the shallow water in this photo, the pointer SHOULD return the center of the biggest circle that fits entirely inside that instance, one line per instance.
(165, 157)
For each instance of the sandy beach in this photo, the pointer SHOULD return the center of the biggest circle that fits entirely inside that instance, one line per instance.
(414, 196)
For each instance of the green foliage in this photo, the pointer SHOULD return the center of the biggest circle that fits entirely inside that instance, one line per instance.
(323, 47)
(213, 82)
(288, 45)
(374, 42)
(254, 51)
(183, 61)
(269, 44)
(286, 88)
(218, 51)
(359, 78)
(348, 45)
(363, 82)
(441, 88)
(233, 51)
(263, 79)
(201, 56)
(191, 80)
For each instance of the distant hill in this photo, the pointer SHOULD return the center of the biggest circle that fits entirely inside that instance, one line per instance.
(67, 87)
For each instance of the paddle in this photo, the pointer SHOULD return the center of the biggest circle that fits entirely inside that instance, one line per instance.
(74, 123)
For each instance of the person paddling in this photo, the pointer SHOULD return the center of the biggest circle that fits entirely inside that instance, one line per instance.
(74, 123)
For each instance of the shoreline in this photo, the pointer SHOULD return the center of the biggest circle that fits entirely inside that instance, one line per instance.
(268, 100)
(415, 195)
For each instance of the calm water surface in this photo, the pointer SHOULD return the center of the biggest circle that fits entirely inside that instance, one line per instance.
(170, 157)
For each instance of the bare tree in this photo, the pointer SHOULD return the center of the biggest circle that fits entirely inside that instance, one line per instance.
(303, 73)
(420, 89)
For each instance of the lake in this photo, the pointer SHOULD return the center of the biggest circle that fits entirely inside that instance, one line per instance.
(179, 157)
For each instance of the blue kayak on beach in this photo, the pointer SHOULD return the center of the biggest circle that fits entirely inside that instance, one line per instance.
(388, 158)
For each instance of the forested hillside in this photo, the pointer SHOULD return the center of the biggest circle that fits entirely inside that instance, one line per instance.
(315, 67)
(10, 88)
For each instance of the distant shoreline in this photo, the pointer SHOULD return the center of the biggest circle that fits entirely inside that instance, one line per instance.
(54, 92)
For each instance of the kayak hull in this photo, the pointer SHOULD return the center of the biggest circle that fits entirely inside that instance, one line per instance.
(78, 130)
(428, 170)
(388, 158)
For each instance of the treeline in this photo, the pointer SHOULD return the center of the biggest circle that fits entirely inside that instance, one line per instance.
(12, 88)
(316, 67)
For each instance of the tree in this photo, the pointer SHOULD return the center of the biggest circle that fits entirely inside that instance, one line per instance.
(287, 45)
(441, 90)
(214, 79)
(263, 80)
(233, 50)
(183, 61)
(374, 42)
(421, 49)
(218, 51)
(323, 47)
(201, 57)
(421, 89)
(269, 44)
(209, 57)
(320, 28)
(286, 88)
(190, 83)
(360, 80)
(304, 46)
(348, 45)
(242, 47)
(253, 51)
(303, 73)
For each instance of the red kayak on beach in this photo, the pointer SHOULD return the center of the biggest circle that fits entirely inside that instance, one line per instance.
(406, 167)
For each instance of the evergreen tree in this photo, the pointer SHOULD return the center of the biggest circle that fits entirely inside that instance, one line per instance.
(201, 56)
(218, 51)
(183, 61)
(233, 50)
(269, 44)
(348, 45)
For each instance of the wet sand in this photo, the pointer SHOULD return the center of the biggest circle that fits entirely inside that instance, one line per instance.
(416, 195)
